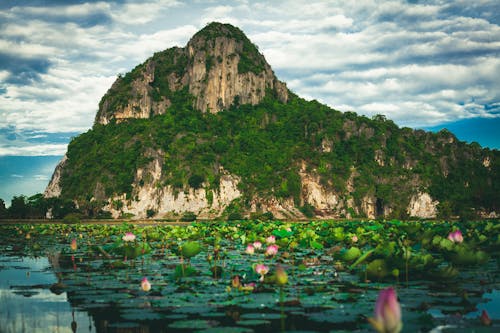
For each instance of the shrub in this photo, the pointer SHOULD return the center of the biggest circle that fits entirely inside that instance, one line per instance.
(307, 210)
(234, 216)
(72, 218)
(195, 181)
(188, 217)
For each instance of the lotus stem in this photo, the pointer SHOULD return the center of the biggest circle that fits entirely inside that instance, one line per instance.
(282, 308)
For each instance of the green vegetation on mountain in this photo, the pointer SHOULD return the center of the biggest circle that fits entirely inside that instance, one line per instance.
(266, 145)
(250, 58)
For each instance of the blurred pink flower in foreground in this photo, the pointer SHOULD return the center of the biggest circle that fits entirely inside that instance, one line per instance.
(145, 285)
(387, 313)
(129, 237)
(262, 270)
(73, 245)
(456, 236)
(271, 240)
(271, 250)
(250, 249)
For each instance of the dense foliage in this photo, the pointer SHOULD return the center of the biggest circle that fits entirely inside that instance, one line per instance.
(266, 145)
(37, 207)
(250, 58)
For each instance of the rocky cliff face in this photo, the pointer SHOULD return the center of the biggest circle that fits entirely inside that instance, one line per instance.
(54, 187)
(167, 202)
(219, 67)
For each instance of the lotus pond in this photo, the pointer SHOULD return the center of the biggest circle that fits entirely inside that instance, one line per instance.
(248, 276)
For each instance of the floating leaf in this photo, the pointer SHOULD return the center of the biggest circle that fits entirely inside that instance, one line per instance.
(193, 324)
(190, 249)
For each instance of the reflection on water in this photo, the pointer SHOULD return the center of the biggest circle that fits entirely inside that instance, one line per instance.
(28, 305)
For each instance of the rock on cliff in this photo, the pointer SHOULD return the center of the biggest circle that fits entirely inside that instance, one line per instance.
(219, 66)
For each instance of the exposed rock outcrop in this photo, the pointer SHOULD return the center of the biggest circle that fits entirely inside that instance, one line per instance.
(422, 206)
(54, 187)
(167, 202)
(219, 66)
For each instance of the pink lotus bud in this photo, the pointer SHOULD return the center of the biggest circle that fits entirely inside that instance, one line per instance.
(262, 270)
(281, 276)
(235, 282)
(73, 245)
(288, 229)
(271, 250)
(257, 245)
(456, 236)
(129, 237)
(485, 318)
(354, 239)
(387, 313)
(271, 240)
(145, 285)
(250, 249)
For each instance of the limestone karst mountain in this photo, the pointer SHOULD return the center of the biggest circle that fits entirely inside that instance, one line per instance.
(209, 129)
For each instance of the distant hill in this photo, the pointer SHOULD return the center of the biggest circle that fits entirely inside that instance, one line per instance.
(209, 129)
(481, 130)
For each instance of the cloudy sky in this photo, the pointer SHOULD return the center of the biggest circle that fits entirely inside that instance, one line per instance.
(424, 64)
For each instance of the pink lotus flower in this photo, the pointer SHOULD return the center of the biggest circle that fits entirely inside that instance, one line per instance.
(354, 239)
(129, 237)
(271, 240)
(73, 245)
(288, 229)
(271, 250)
(250, 249)
(387, 313)
(145, 285)
(456, 236)
(257, 245)
(262, 270)
(248, 287)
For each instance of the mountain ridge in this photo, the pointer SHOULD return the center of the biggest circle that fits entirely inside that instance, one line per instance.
(192, 130)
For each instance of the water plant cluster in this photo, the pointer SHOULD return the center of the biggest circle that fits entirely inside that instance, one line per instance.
(277, 276)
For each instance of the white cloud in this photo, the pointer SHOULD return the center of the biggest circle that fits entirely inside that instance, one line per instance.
(420, 64)
(84, 9)
(34, 150)
(142, 13)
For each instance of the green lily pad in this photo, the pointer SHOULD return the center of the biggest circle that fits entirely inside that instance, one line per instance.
(254, 322)
(227, 329)
(140, 314)
(193, 324)
(352, 254)
(261, 316)
(190, 249)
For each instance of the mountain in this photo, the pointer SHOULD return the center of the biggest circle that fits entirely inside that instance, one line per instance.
(208, 129)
